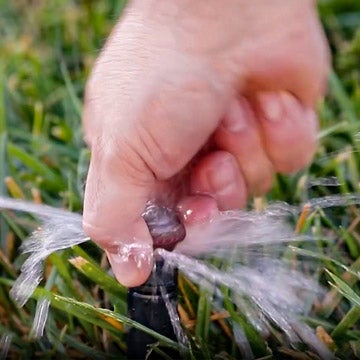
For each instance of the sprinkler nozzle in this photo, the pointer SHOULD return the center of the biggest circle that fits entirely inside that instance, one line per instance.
(147, 304)
(164, 225)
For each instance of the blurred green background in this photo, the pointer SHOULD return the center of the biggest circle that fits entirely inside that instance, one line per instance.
(47, 49)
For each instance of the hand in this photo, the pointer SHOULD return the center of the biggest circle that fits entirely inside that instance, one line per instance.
(214, 95)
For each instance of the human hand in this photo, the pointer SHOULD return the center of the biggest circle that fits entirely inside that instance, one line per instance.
(214, 96)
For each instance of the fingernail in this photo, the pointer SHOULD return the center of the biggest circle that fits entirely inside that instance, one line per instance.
(271, 105)
(222, 177)
(236, 118)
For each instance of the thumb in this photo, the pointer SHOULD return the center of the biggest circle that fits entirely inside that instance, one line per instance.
(132, 154)
(113, 205)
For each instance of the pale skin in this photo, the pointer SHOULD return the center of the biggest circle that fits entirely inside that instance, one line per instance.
(218, 95)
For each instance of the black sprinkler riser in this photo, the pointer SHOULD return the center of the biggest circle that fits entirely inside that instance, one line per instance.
(146, 304)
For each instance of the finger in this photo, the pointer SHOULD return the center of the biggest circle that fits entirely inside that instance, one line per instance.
(131, 269)
(239, 135)
(197, 209)
(113, 204)
(297, 60)
(219, 176)
(289, 130)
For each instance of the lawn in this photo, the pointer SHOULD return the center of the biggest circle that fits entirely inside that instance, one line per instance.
(47, 49)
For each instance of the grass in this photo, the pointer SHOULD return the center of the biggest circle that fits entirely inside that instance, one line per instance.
(47, 49)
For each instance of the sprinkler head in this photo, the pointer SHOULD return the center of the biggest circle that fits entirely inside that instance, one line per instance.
(148, 303)
(164, 225)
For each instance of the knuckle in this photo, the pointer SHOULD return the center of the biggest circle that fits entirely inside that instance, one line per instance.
(158, 157)
(121, 158)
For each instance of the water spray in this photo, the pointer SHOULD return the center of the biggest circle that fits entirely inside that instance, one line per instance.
(151, 304)
(250, 242)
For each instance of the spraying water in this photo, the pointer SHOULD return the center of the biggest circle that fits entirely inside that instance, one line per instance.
(264, 287)
(276, 292)
(41, 313)
(5, 343)
(60, 230)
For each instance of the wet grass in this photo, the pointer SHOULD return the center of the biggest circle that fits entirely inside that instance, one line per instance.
(47, 49)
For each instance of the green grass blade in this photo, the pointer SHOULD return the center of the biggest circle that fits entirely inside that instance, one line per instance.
(99, 276)
(203, 321)
(256, 342)
(37, 166)
(342, 98)
(71, 91)
(349, 320)
(101, 317)
(86, 350)
(344, 289)
(3, 155)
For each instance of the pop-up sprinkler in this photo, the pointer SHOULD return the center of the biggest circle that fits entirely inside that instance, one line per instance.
(146, 303)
